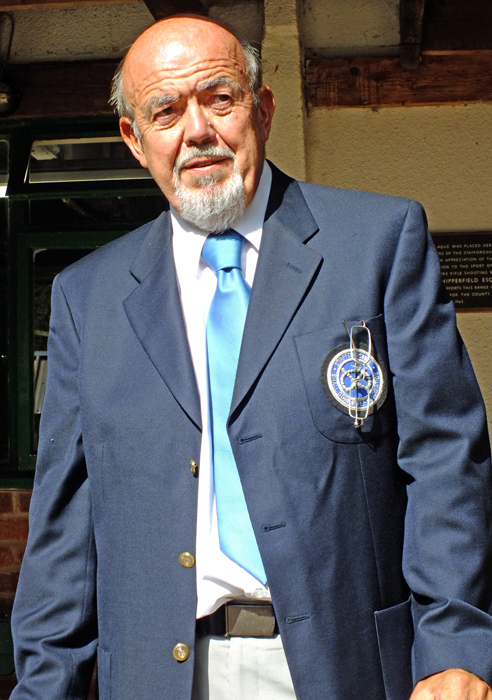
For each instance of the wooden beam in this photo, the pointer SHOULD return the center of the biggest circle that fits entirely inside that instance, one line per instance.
(163, 8)
(382, 82)
(61, 89)
(14, 5)
(82, 88)
(411, 23)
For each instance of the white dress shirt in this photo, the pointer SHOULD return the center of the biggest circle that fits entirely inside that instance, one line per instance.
(218, 577)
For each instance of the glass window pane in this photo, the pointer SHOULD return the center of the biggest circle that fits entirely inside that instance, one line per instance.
(46, 265)
(82, 160)
(4, 167)
(80, 212)
(4, 419)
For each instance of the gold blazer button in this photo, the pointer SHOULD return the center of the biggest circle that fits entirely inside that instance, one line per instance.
(181, 652)
(187, 560)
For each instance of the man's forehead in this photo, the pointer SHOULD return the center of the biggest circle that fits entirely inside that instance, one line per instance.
(172, 84)
(182, 51)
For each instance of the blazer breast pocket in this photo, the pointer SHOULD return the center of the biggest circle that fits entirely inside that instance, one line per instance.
(330, 415)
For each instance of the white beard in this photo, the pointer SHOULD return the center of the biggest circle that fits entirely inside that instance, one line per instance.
(209, 204)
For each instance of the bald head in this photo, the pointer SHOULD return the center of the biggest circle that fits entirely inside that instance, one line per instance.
(165, 30)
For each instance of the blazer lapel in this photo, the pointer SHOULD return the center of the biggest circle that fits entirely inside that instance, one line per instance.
(154, 312)
(284, 273)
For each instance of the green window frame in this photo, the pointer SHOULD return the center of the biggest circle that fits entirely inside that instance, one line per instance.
(23, 239)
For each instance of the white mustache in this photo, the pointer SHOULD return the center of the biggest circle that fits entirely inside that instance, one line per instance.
(199, 152)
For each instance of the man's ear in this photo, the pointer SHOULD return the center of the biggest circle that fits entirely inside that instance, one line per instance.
(133, 143)
(266, 108)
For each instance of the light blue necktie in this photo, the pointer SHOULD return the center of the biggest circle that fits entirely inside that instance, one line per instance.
(225, 327)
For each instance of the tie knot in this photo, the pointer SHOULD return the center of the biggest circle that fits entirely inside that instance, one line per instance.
(222, 251)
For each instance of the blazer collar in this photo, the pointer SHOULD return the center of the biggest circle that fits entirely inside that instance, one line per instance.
(286, 268)
(154, 312)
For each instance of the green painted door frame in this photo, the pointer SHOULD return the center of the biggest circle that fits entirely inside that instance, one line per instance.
(23, 239)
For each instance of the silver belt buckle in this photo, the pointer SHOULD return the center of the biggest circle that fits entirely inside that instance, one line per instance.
(249, 620)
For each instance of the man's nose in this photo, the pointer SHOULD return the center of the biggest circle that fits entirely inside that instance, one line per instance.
(198, 130)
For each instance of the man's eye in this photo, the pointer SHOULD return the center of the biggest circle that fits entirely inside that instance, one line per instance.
(222, 99)
(165, 112)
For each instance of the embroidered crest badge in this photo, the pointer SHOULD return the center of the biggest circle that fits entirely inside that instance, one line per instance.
(353, 379)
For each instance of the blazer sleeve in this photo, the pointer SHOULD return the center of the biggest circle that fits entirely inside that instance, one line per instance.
(54, 617)
(444, 449)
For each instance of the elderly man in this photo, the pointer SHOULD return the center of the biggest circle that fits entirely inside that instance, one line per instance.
(263, 470)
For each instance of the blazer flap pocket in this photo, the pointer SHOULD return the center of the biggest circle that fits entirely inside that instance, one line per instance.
(394, 627)
(332, 380)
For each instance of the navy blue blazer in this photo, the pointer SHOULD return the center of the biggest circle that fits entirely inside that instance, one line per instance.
(376, 541)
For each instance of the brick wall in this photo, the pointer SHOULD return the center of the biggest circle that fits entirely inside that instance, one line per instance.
(14, 526)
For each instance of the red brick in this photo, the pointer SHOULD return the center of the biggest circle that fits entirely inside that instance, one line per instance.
(24, 501)
(14, 528)
(18, 553)
(6, 505)
(8, 582)
(6, 557)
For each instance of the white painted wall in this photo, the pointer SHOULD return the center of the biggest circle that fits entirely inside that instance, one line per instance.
(350, 27)
(98, 32)
(81, 33)
(282, 71)
(246, 18)
(441, 156)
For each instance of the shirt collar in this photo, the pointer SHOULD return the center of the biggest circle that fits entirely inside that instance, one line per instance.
(250, 225)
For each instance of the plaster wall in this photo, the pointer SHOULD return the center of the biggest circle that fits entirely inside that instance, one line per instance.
(351, 27)
(81, 33)
(106, 31)
(476, 330)
(441, 156)
(282, 71)
(246, 18)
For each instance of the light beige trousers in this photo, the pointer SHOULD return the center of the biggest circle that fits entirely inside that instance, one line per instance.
(241, 668)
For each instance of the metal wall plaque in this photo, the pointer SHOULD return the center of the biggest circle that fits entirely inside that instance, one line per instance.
(466, 267)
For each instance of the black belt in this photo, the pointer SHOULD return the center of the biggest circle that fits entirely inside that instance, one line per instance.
(239, 620)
